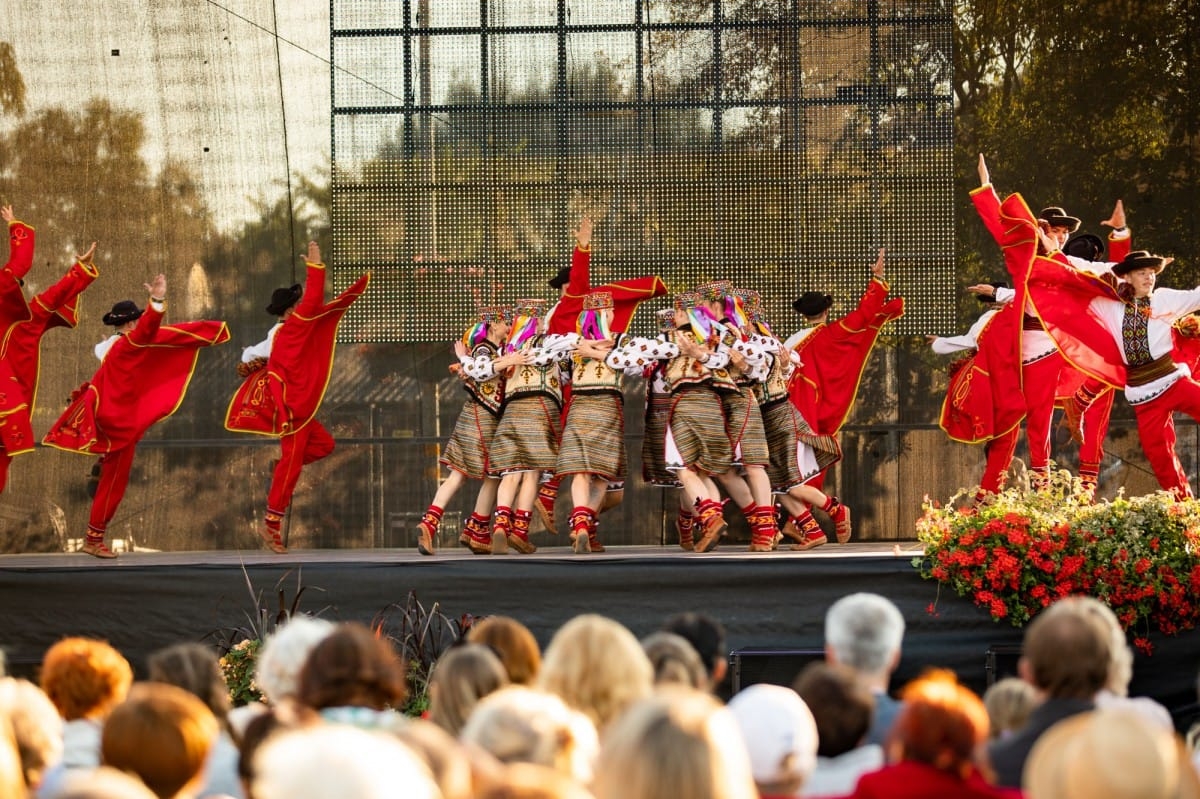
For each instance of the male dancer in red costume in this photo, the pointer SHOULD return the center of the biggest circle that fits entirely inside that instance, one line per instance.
(281, 398)
(145, 368)
(833, 356)
(22, 325)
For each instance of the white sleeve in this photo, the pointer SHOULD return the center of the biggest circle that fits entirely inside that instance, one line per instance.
(1005, 294)
(478, 367)
(946, 345)
(263, 348)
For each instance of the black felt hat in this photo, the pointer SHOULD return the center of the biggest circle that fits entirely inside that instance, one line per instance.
(1057, 217)
(284, 298)
(561, 279)
(1141, 259)
(124, 311)
(1087, 246)
(989, 299)
(812, 303)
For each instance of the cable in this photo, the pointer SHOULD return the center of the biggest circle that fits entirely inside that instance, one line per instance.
(287, 161)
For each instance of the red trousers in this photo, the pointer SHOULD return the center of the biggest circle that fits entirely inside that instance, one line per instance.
(999, 457)
(308, 444)
(114, 477)
(1156, 428)
(1039, 383)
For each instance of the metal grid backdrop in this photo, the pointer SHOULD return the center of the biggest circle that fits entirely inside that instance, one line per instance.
(777, 143)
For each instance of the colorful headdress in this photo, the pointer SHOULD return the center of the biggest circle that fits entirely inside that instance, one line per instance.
(593, 322)
(714, 290)
(758, 318)
(487, 316)
(527, 318)
(666, 320)
(701, 320)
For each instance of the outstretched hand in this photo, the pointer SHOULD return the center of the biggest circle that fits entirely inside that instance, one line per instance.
(6, 212)
(314, 253)
(982, 289)
(583, 232)
(1117, 220)
(984, 177)
(877, 268)
(86, 258)
(157, 287)
(460, 349)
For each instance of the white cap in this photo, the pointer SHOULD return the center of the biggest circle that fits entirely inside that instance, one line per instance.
(779, 731)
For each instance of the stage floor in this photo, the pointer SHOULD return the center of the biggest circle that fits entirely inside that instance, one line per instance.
(772, 604)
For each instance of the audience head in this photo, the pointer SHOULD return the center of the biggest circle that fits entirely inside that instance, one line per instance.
(941, 724)
(1009, 703)
(678, 742)
(864, 631)
(85, 678)
(529, 781)
(526, 725)
(36, 727)
(461, 677)
(1067, 652)
(283, 654)
(163, 734)
(707, 637)
(195, 669)
(780, 736)
(513, 643)
(287, 715)
(12, 780)
(448, 761)
(841, 706)
(333, 761)
(675, 661)
(103, 783)
(351, 667)
(597, 667)
(1108, 754)
(1120, 665)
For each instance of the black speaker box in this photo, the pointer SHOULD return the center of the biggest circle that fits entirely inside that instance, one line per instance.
(1001, 662)
(752, 665)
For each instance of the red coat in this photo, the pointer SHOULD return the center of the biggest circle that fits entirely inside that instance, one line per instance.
(627, 296)
(911, 780)
(141, 380)
(982, 402)
(20, 354)
(833, 359)
(13, 307)
(284, 396)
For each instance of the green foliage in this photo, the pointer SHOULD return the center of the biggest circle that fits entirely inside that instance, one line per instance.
(237, 666)
(1023, 549)
(421, 636)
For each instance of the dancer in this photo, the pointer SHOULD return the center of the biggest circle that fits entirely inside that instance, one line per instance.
(22, 325)
(654, 433)
(833, 356)
(480, 366)
(145, 368)
(286, 381)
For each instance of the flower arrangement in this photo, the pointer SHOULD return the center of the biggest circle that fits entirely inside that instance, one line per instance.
(237, 667)
(1022, 549)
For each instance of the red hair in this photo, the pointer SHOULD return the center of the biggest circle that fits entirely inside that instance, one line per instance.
(941, 724)
(84, 677)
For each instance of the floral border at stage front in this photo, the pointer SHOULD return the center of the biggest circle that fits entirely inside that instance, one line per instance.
(1023, 549)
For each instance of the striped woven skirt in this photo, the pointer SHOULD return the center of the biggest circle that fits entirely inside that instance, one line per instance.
(696, 436)
(744, 423)
(654, 441)
(797, 454)
(469, 445)
(527, 436)
(593, 437)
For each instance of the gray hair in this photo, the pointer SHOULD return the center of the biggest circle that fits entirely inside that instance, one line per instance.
(864, 632)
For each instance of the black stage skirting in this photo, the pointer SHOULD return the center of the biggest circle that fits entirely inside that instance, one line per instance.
(771, 604)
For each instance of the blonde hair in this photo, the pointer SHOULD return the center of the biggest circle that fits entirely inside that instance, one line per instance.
(513, 643)
(36, 727)
(597, 667)
(461, 677)
(679, 742)
(1009, 703)
(447, 760)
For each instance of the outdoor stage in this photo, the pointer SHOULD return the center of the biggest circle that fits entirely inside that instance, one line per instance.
(773, 601)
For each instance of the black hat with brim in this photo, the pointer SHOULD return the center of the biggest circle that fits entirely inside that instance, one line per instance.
(1141, 259)
(812, 303)
(1057, 217)
(989, 299)
(1087, 246)
(121, 313)
(284, 298)
(561, 279)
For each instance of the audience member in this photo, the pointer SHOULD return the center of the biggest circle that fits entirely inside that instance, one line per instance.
(865, 631)
(675, 661)
(1067, 653)
(461, 677)
(676, 743)
(513, 643)
(1008, 703)
(36, 727)
(102, 783)
(1113, 753)
(841, 706)
(163, 734)
(334, 761)
(277, 672)
(451, 764)
(195, 669)
(85, 679)
(597, 667)
(528, 725)
(780, 736)
(287, 715)
(528, 781)
(12, 781)
(932, 746)
(353, 677)
(707, 637)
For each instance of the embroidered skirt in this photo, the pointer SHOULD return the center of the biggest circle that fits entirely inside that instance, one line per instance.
(469, 445)
(527, 436)
(593, 437)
